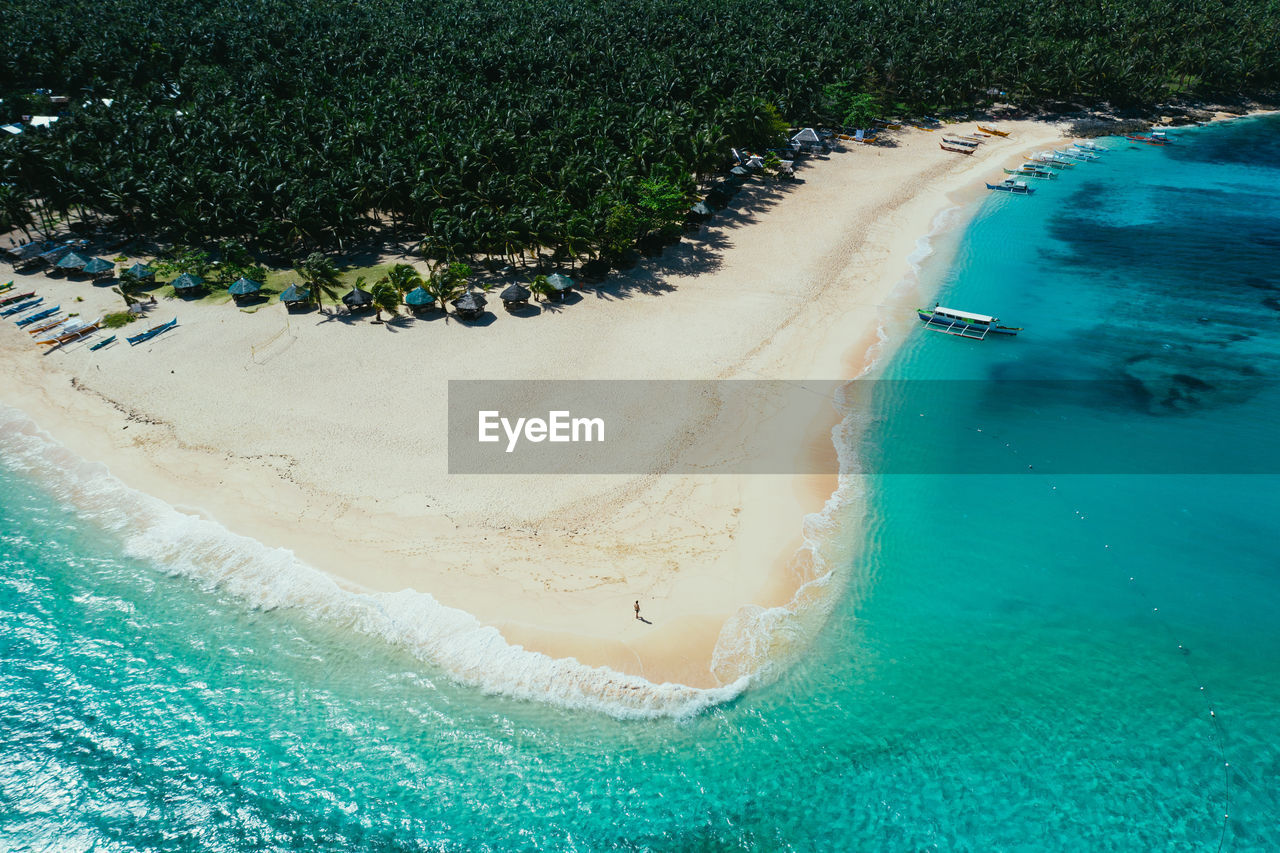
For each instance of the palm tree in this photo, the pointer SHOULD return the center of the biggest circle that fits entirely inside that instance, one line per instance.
(321, 277)
(403, 277)
(386, 296)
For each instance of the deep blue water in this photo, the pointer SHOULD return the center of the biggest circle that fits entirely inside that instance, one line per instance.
(1017, 661)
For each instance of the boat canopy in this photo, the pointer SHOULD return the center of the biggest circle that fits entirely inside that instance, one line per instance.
(964, 315)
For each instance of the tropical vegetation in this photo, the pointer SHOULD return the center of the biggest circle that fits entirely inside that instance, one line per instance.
(491, 128)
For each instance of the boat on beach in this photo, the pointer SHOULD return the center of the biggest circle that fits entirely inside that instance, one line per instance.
(17, 297)
(955, 149)
(102, 343)
(19, 307)
(967, 143)
(39, 315)
(1009, 185)
(992, 130)
(963, 324)
(73, 330)
(134, 340)
(47, 325)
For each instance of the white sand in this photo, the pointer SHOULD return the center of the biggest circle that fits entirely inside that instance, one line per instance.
(327, 437)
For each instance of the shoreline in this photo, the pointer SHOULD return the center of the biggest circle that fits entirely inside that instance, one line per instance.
(708, 571)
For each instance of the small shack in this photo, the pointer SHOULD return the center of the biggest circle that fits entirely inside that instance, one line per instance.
(419, 299)
(243, 288)
(469, 306)
(188, 284)
(560, 285)
(142, 272)
(515, 296)
(71, 262)
(357, 298)
(295, 296)
(100, 269)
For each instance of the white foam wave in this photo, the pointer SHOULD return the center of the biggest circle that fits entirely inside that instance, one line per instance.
(264, 577)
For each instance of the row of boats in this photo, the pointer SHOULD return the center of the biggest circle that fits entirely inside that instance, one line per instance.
(1043, 165)
(49, 328)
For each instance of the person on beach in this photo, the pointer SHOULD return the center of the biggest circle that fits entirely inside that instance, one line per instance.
(637, 609)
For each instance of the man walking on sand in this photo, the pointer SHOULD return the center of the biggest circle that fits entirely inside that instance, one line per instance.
(637, 609)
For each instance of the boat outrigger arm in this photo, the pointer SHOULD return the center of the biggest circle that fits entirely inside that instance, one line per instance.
(963, 323)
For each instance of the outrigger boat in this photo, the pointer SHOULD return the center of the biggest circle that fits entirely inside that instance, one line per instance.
(1045, 158)
(39, 315)
(4, 287)
(17, 297)
(992, 131)
(1029, 171)
(47, 325)
(73, 330)
(963, 324)
(954, 150)
(1079, 156)
(1009, 185)
(21, 306)
(967, 143)
(1153, 139)
(134, 340)
(102, 343)
(1090, 146)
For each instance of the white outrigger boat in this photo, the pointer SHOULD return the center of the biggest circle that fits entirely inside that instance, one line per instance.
(963, 324)
(1052, 160)
(1010, 185)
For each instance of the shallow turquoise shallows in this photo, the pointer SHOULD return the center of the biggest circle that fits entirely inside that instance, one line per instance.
(1061, 657)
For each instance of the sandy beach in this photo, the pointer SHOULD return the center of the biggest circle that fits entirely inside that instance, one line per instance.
(325, 436)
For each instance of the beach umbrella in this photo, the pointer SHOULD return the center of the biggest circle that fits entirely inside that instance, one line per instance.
(71, 261)
(516, 293)
(293, 293)
(357, 298)
(98, 266)
(419, 298)
(187, 281)
(244, 287)
(141, 272)
(560, 282)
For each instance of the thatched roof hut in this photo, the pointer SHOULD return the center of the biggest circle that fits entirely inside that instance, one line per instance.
(188, 283)
(470, 305)
(357, 298)
(294, 295)
(99, 268)
(243, 287)
(142, 272)
(419, 298)
(515, 296)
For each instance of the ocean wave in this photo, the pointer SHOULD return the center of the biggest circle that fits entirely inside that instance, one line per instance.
(263, 577)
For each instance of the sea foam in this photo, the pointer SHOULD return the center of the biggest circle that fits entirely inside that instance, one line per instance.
(471, 653)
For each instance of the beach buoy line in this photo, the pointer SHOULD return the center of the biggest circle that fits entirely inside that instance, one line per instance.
(1219, 732)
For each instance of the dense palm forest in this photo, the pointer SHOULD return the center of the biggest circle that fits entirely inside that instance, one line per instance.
(488, 126)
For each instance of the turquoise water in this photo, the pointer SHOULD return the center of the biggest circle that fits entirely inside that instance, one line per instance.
(1021, 661)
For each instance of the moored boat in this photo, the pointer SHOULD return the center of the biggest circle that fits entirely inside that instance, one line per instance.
(963, 324)
(992, 130)
(1147, 140)
(1077, 155)
(955, 150)
(134, 340)
(1009, 185)
(1029, 171)
(1045, 158)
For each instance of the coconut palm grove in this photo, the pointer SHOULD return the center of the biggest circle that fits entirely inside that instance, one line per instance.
(494, 127)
